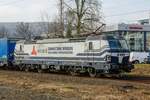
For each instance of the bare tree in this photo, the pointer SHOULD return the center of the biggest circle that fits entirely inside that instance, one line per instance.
(3, 31)
(87, 15)
(80, 11)
(45, 25)
(24, 30)
(93, 18)
(52, 29)
(61, 6)
(70, 18)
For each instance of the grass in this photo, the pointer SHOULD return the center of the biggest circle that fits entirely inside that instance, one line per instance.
(141, 70)
(142, 65)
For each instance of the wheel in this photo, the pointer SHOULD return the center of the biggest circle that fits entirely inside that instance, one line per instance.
(20, 67)
(26, 68)
(143, 63)
(39, 70)
(5, 67)
(92, 72)
(73, 72)
(136, 62)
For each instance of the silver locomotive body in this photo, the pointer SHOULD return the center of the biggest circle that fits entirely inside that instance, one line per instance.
(95, 54)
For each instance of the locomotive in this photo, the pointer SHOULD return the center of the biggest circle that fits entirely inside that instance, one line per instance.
(100, 54)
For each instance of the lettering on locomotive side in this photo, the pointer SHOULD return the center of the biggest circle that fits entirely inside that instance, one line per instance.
(60, 50)
(56, 50)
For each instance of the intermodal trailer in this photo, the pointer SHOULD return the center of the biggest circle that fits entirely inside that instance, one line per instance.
(7, 47)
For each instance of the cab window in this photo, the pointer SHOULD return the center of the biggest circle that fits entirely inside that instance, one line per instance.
(21, 48)
(90, 45)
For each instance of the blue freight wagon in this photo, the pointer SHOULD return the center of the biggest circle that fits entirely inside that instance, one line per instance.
(7, 47)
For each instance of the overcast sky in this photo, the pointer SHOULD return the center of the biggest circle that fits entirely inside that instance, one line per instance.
(125, 10)
(31, 10)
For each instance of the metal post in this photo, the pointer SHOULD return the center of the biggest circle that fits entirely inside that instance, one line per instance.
(145, 41)
(62, 15)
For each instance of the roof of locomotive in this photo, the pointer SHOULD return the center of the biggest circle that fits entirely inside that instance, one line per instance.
(56, 40)
(82, 39)
(103, 37)
(61, 40)
(67, 40)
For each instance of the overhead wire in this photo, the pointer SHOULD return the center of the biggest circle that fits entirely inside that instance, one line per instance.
(11, 3)
(128, 13)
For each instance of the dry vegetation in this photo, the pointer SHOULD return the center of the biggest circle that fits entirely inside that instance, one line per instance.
(32, 86)
(141, 70)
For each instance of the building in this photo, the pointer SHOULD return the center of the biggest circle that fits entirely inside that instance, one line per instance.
(137, 35)
(144, 21)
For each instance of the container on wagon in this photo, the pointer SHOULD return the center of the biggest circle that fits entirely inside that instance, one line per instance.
(7, 47)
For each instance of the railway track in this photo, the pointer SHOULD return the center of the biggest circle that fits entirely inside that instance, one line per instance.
(134, 78)
(65, 76)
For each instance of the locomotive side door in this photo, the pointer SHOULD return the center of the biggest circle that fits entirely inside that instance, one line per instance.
(89, 51)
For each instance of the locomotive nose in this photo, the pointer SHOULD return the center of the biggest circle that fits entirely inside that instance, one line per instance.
(120, 58)
(123, 58)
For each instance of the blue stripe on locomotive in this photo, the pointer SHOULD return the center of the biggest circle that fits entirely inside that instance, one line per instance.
(7, 47)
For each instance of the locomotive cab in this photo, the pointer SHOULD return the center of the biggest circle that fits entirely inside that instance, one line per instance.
(113, 53)
(120, 54)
